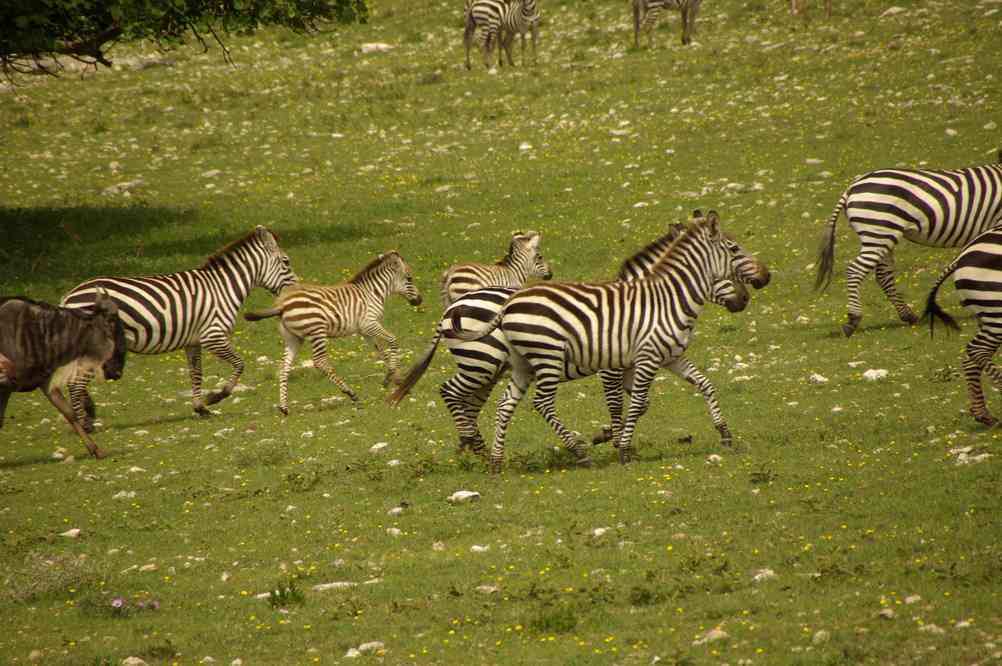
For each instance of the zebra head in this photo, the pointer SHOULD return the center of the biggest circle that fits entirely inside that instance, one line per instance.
(731, 294)
(748, 268)
(720, 265)
(523, 252)
(402, 278)
(276, 273)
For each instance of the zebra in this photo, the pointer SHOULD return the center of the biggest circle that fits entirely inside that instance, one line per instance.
(522, 262)
(977, 275)
(189, 310)
(938, 208)
(317, 312)
(482, 362)
(647, 12)
(499, 20)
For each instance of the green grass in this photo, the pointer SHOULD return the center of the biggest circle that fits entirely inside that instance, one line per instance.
(855, 510)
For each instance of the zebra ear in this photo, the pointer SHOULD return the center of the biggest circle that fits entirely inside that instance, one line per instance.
(713, 224)
(696, 214)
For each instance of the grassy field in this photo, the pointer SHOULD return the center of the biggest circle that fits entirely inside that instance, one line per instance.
(844, 528)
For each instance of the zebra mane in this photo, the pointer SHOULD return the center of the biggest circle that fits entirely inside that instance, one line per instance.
(506, 260)
(259, 232)
(374, 264)
(686, 232)
(659, 246)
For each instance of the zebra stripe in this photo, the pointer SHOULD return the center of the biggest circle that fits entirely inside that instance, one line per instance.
(647, 12)
(935, 208)
(317, 312)
(977, 276)
(522, 262)
(190, 310)
(500, 20)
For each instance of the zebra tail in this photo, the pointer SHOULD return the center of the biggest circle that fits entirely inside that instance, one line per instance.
(932, 309)
(477, 333)
(415, 373)
(826, 253)
(262, 314)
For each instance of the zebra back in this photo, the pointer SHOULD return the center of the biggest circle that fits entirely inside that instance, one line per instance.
(522, 262)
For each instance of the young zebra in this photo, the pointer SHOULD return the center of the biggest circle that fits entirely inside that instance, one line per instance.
(482, 362)
(355, 307)
(499, 20)
(932, 207)
(977, 275)
(187, 310)
(522, 262)
(647, 12)
(561, 332)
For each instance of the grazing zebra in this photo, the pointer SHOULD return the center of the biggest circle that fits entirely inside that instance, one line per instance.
(499, 20)
(482, 362)
(355, 307)
(977, 275)
(647, 12)
(561, 332)
(522, 262)
(931, 207)
(187, 310)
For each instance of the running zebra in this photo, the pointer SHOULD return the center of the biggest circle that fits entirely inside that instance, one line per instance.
(977, 275)
(931, 207)
(355, 307)
(567, 331)
(482, 362)
(522, 262)
(187, 310)
(647, 12)
(499, 20)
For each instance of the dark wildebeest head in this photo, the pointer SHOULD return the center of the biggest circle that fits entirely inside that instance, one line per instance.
(109, 329)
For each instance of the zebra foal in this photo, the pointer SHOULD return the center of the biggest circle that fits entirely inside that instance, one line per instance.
(189, 310)
(647, 12)
(499, 21)
(561, 332)
(977, 276)
(938, 208)
(522, 262)
(355, 307)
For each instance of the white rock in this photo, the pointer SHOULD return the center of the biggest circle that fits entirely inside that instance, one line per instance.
(599, 531)
(72, 533)
(237, 662)
(123, 187)
(837, 408)
(962, 624)
(378, 446)
(208, 660)
(873, 374)
(211, 173)
(713, 635)
(990, 125)
(394, 462)
(133, 661)
(479, 549)
(376, 47)
(815, 378)
(35, 655)
(912, 599)
(820, 636)
(887, 613)
(802, 319)
(337, 585)
(932, 629)
(393, 531)
(891, 11)
(59, 453)
(352, 653)
(438, 546)
(951, 132)
(461, 496)
(813, 160)
(763, 574)
(225, 576)
(124, 494)
(148, 567)
(713, 459)
(395, 511)
(487, 589)
(524, 146)
(136, 470)
(371, 647)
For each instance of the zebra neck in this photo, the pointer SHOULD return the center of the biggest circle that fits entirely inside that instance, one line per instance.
(238, 272)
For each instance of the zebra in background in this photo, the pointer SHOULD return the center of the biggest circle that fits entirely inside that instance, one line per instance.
(316, 312)
(977, 275)
(932, 207)
(188, 310)
(567, 331)
(522, 262)
(482, 362)
(647, 12)
(499, 20)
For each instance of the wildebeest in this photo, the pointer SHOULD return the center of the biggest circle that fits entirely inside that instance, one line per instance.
(44, 346)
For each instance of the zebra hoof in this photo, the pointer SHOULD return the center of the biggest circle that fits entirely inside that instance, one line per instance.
(985, 418)
(494, 467)
(625, 456)
(351, 395)
(203, 411)
(215, 397)
(98, 453)
(284, 411)
(602, 436)
(909, 317)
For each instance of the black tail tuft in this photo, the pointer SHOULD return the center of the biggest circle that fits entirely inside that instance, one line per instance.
(934, 312)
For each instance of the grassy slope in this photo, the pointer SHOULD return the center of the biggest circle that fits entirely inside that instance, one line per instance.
(347, 155)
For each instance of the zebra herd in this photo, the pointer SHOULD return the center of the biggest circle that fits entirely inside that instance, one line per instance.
(546, 334)
(494, 23)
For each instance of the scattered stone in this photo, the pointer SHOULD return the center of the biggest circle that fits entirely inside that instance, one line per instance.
(71, 533)
(59, 453)
(337, 585)
(821, 636)
(376, 47)
(886, 613)
(712, 636)
(123, 187)
(148, 567)
(133, 661)
(378, 446)
(461, 496)
(815, 378)
(395, 511)
(211, 173)
(932, 629)
(962, 624)
(35, 655)
(393, 531)
(763, 574)
(352, 653)
(487, 589)
(874, 374)
(713, 459)
(912, 599)
(371, 647)
(438, 546)
(524, 146)
(479, 549)
(892, 11)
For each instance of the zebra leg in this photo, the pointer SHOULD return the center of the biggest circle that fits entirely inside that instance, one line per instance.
(80, 400)
(194, 355)
(55, 396)
(885, 278)
(292, 345)
(643, 375)
(219, 345)
(386, 344)
(636, 24)
(464, 401)
(490, 38)
(321, 361)
(980, 351)
(521, 377)
(690, 373)
(506, 43)
(859, 268)
(612, 389)
(544, 402)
